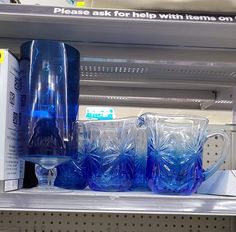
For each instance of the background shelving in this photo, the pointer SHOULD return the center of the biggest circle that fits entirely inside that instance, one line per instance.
(100, 222)
(139, 76)
(132, 62)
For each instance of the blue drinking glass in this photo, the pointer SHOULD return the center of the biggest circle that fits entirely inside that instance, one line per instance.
(110, 154)
(72, 174)
(175, 147)
(51, 71)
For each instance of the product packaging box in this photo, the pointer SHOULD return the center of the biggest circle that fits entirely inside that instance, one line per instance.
(12, 135)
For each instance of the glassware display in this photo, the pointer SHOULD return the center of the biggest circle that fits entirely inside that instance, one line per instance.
(175, 147)
(110, 154)
(51, 71)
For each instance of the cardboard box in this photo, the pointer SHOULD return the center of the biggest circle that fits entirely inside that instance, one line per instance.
(12, 135)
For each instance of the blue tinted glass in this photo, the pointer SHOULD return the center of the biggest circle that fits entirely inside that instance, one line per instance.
(140, 181)
(51, 71)
(175, 145)
(110, 154)
(71, 175)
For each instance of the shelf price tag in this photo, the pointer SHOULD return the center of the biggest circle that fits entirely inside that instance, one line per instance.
(80, 3)
(99, 113)
(1, 56)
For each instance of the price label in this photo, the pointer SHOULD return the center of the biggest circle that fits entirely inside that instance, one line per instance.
(100, 113)
(1, 56)
(80, 4)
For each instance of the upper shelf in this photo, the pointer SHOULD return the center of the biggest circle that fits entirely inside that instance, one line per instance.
(118, 26)
(132, 61)
(129, 202)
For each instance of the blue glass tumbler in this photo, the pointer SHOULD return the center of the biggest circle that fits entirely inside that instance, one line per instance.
(110, 154)
(175, 150)
(51, 71)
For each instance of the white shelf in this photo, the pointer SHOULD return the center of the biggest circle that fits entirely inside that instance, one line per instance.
(21, 21)
(130, 202)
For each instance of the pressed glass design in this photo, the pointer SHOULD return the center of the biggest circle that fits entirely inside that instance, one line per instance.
(110, 154)
(175, 150)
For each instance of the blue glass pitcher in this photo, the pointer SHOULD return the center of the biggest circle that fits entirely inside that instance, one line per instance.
(175, 150)
(110, 154)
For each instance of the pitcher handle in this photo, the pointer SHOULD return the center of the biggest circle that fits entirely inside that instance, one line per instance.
(210, 171)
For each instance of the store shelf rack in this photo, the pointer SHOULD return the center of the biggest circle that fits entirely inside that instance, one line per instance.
(133, 202)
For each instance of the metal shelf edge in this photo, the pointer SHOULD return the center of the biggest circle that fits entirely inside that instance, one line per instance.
(131, 202)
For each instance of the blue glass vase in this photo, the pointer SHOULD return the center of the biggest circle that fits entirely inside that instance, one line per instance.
(175, 150)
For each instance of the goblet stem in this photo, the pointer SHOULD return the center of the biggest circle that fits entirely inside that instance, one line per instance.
(52, 176)
(46, 177)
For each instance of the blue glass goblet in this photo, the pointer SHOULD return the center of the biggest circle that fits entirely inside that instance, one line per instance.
(50, 70)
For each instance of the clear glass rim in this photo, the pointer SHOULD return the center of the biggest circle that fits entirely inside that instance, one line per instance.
(134, 119)
(28, 42)
(179, 116)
